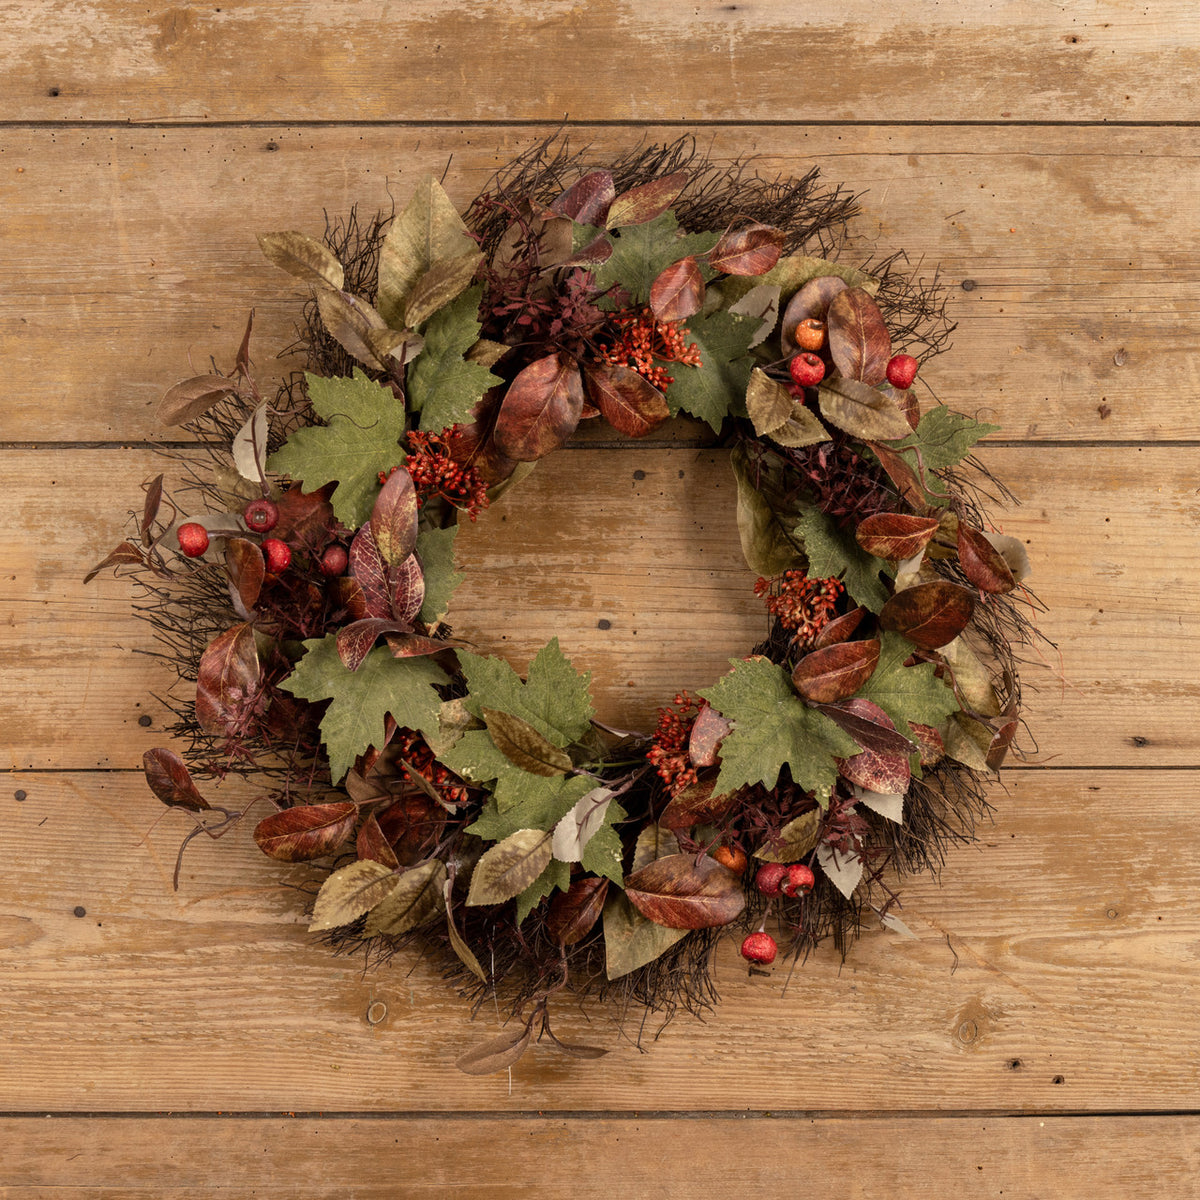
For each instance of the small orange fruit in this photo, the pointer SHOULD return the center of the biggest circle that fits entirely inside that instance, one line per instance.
(810, 334)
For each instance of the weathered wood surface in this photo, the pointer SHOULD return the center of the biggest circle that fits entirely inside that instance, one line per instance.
(682, 60)
(129, 253)
(1053, 971)
(637, 1155)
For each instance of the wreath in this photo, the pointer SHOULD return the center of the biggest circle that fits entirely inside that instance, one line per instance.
(301, 579)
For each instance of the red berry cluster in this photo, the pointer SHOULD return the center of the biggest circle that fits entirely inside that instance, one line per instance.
(668, 751)
(435, 473)
(419, 759)
(800, 603)
(643, 338)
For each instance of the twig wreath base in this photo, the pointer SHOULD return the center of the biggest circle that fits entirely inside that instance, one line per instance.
(301, 580)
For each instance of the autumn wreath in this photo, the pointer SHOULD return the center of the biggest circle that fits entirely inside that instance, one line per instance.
(303, 586)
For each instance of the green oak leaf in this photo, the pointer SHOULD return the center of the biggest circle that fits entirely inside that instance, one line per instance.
(556, 876)
(360, 438)
(907, 693)
(718, 386)
(944, 437)
(354, 720)
(771, 727)
(435, 549)
(442, 385)
(541, 810)
(642, 252)
(835, 553)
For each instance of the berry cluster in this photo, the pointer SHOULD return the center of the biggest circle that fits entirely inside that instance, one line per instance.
(643, 339)
(435, 473)
(419, 759)
(668, 751)
(801, 604)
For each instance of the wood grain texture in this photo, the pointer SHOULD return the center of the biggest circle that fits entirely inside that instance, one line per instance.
(607, 60)
(970, 1157)
(129, 254)
(1052, 971)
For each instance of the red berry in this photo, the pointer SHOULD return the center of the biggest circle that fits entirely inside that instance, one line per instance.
(901, 371)
(193, 539)
(334, 560)
(277, 554)
(759, 948)
(769, 877)
(261, 515)
(798, 880)
(807, 369)
(731, 857)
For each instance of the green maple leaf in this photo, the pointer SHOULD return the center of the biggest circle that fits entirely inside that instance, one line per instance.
(359, 700)
(435, 549)
(603, 853)
(555, 877)
(907, 693)
(554, 699)
(771, 727)
(534, 811)
(944, 438)
(442, 385)
(360, 438)
(642, 252)
(711, 390)
(835, 553)
(476, 757)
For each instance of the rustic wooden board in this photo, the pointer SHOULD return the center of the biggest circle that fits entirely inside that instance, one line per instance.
(685, 61)
(1052, 971)
(130, 253)
(585, 541)
(593, 1159)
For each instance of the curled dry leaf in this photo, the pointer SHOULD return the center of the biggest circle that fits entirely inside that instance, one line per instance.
(859, 342)
(498, 1053)
(708, 731)
(831, 674)
(370, 842)
(193, 397)
(998, 750)
(171, 781)
(228, 680)
(523, 746)
(307, 831)
(540, 409)
(982, 563)
(249, 447)
(416, 898)
(304, 257)
(631, 404)
(574, 913)
(929, 614)
(646, 201)
(509, 867)
(678, 292)
(1013, 552)
(413, 645)
(394, 518)
(910, 483)
(247, 571)
(895, 535)
(126, 554)
(796, 839)
(349, 320)
(753, 250)
(465, 954)
(683, 893)
(154, 492)
(968, 741)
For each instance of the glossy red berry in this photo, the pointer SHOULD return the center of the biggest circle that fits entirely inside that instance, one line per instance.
(807, 369)
(277, 554)
(732, 857)
(261, 516)
(798, 880)
(193, 539)
(769, 877)
(334, 560)
(759, 948)
(901, 371)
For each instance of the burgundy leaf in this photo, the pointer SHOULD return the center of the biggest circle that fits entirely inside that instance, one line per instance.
(347, 593)
(681, 893)
(412, 826)
(170, 780)
(369, 571)
(631, 404)
(646, 201)
(678, 292)
(697, 805)
(305, 518)
(541, 408)
(125, 553)
(929, 742)
(859, 342)
(574, 912)
(154, 491)
(598, 250)
(306, 832)
(930, 614)
(355, 641)
(394, 518)
(371, 843)
(193, 398)
(1001, 742)
(407, 582)
(982, 563)
(867, 733)
(750, 251)
(909, 482)
(909, 405)
(708, 731)
(895, 535)
(413, 645)
(839, 629)
(246, 570)
(831, 674)
(587, 200)
(228, 682)
(811, 301)
(873, 769)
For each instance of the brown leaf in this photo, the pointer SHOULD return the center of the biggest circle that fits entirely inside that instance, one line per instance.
(681, 893)
(228, 681)
(305, 518)
(348, 320)
(541, 408)
(587, 200)
(407, 583)
(413, 645)
(646, 201)
(869, 734)
(909, 483)
(509, 867)
(307, 831)
(796, 839)
(193, 397)
(929, 741)
(154, 491)
(171, 781)
(412, 825)
(895, 535)
(930, 614)
(246, 570)
(697, 805)
(445, 279)
(982, 563)
(419, 895)
(125, 554)
(861, 410)
(523, 746)
(369, 571)
(836, 672)
(859, 342)
(304, 257)
(356, 640)
(631, 404)
(574, 912)
(811, 301)
(998, 749)
(498, 1053)
(465, 954)
(708, 731)
(394, 518)
(873, 769)
(750, 251)
(678, 292)
(839, 629)
(370, 842)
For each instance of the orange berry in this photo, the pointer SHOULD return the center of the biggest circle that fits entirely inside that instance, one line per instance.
(810, 334)
(731, 857)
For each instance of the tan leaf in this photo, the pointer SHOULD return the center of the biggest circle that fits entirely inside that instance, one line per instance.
(350, 892)
(304, 257)
(509, 867)
(523, 746)
(418, 895)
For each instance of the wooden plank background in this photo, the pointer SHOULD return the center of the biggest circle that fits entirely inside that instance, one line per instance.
(1037, 1039)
